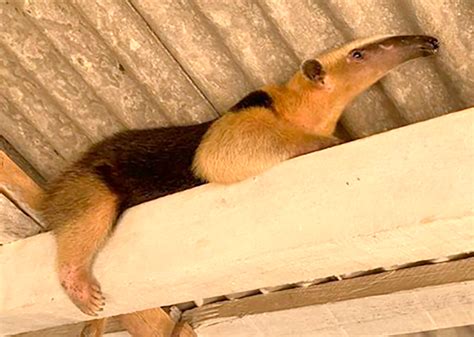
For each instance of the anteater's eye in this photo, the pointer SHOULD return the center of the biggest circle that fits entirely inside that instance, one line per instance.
(357, 54)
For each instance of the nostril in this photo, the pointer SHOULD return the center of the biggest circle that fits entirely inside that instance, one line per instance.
(434, 43)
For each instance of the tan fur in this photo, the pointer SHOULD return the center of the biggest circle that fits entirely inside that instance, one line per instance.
(82, 205)
(262, 138)
(259, 138)
(81, 211)
(303, 117)
(95, 222)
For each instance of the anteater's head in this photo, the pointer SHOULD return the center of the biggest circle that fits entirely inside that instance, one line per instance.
(334, 78)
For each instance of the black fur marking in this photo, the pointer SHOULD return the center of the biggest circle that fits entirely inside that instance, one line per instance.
(141, 165)
(258, 98)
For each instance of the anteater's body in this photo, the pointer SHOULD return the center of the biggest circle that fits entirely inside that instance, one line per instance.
(266, 127)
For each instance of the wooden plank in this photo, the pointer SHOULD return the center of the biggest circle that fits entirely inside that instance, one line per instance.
(14, 224)
(20, 160)
(377, 284)
(349, 293)
(19, 187)
(460, 331)
(95, 328)
(19, 195)
(183, 329)
(150, 322)
(137, 323)
(114, 327)
(287, 222)
(402, 301)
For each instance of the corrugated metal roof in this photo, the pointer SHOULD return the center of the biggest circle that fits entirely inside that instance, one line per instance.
(72, 72)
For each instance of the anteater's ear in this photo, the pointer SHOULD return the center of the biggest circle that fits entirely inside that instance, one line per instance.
(313, 70)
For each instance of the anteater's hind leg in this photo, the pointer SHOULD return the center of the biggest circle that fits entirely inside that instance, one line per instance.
(78, 243)
(81, 211)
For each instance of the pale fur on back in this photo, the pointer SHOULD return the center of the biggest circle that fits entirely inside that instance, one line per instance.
(249, 136)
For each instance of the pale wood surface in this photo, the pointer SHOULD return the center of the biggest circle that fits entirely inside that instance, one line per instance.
(461, 331)
(113, 325)
(310, 217)
(402, 312)
(14, 224)
(183, 330)
(357, 294)
(19, 187)
(152, 322)
(18, 202)
(95, 328)
(353, 304)
(20, 160)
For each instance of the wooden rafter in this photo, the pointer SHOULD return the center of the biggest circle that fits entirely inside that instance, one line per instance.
(392, 302)
(19, 187)
(397, 197)
(18, 202)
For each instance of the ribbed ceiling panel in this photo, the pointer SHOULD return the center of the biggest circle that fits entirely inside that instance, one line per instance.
(73, 72)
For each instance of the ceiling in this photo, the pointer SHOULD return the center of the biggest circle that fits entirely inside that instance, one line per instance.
(73, 72)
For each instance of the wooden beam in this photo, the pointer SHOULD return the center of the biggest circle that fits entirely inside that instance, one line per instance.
(393, 302)
(183, 329)
(151, 322)
(348, 294)
(18, 202)
(21, 161)
(95, 328)
(112, 325)
(393, 198)
(459, 331)
(14, 224)
(19, 187)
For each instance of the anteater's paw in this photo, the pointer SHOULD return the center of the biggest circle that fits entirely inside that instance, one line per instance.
(83, 290)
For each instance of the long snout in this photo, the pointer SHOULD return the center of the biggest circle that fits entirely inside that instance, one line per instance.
(410, 46)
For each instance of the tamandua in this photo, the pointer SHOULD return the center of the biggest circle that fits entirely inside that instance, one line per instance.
(268, 126)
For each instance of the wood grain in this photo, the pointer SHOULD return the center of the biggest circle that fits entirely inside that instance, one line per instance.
(14, 224)
(307, 218)
(19, 187)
